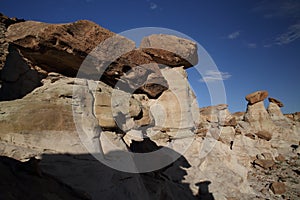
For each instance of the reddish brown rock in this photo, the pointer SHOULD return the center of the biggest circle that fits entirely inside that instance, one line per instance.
(64, 48)
(293, 116)
(264, 135)
(265, 164)
(230, 122)
(57, 47)
(280, 158)
(9, 21)
(278, 187)
(18, 76)
(170, 50)
(249, 135)
(4, 23)
(136, 71)
(239, 116)
(276, 101)
(257, 96)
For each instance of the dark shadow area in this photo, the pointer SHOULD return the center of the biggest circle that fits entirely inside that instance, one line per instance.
(70, 176)
(17, 76)
(203, 192)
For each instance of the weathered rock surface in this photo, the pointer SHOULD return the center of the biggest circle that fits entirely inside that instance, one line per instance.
(9, 21)
(275, 112)
(216, 114)
(257, 96)
(63, 119)
(57, 48)
(264, 135)
(170, 50)
(278, 187)
(258, 117)
(293, 116)
(276, 101)
(136, 71)
(175, 108)
(18, 76)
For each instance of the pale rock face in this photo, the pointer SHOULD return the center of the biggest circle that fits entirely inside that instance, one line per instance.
(217, 164)
(258, 117)
(227, 134)
(174, 109)
(42, 120)
(275, 112)
(218, 114)
(239, 116)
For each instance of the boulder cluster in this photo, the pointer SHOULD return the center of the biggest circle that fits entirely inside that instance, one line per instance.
(68, 90)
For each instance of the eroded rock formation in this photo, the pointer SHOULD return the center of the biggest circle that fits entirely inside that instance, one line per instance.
(130, 100)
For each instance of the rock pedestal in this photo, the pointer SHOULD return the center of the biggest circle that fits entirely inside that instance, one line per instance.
(256, 113)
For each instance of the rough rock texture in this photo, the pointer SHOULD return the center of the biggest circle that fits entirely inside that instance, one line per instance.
(18, 76)
(257, 96)
(264, 135)
(175, 108)
(293, 116)
(170, 50)
(64, 119)
(57, 48)
(276, 101)
(258, 117)
(275, 112)
(278, 187)
(136, 71)
(216, 114)
(4, 23)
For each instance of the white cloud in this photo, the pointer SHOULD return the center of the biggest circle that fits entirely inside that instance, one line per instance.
(234, 35)
(214, 75)
(252, 45)
(292, 34)
(279, 9)
(153, 6)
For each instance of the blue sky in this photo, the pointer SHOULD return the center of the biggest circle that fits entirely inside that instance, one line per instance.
(254, 44)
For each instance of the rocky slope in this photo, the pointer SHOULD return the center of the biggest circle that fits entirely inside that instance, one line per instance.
(64, 97)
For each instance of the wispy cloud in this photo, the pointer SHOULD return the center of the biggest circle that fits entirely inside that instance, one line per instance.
(278, 8)
(214, 75)
(291, 35)
(284, 10)
(252, 45)
(153, 6)
(234, 35)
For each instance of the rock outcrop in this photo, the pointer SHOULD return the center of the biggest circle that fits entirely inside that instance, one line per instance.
(257, 96)
(73, 103)
(57, 48)
(256, 114)
(274, 109)
(170, 50)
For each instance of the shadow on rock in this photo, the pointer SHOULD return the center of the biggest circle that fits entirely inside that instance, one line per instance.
(203, 192)
(67, 176)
